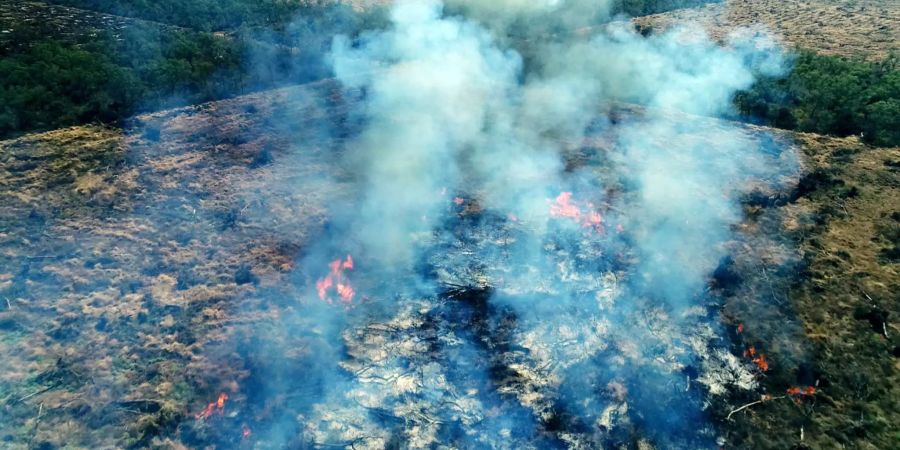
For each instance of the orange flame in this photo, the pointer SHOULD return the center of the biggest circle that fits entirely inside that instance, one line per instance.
(565, 207)
(337, 279)
(740, 328)
(761, 362)
(246, 432)
(807, 391)
(459, 200)
(216, 406)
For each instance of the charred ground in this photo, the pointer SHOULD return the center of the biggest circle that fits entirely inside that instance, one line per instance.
(150, 260)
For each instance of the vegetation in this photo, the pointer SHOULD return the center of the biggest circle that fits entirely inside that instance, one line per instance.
(52, 83)
(645, 7)
(830, 95)
(49, 82)
(203, 15)
(844, 295)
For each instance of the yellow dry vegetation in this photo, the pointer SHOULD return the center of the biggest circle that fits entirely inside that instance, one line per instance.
(132, 266)
(860, 28)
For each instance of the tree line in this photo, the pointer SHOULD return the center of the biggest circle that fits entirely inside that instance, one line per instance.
(830, 95)
(646, 7)
(202, 15)
(48, 82)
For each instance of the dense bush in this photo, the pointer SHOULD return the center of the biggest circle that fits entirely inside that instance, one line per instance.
(47, 83)
(52, 85)
(645, 7)
(204, 15)
(830, 95)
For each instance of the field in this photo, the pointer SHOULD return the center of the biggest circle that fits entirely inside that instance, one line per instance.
(148, 256)
(864, 28)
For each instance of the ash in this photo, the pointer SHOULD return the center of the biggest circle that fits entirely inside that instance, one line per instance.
(485, 362)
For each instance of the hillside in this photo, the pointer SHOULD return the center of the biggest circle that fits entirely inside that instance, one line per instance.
(162, 246)
(865, 28)
(156, 289)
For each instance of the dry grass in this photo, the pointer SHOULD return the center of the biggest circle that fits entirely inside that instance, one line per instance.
(120, 256)
(863, 28)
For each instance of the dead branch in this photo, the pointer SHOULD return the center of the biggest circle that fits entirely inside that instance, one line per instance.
(37, 423)
(36, 393)
(344, 444)
(762, 400)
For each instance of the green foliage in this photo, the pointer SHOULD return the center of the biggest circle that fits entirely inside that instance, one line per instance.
(50, 85)
(645, 7)
(830, 95)
(203, 15)
(53, 82)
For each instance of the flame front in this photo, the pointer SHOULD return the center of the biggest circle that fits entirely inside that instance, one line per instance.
(337, 281)
(216, 406)
(586, 216)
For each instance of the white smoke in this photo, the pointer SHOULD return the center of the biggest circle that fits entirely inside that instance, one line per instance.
(451, 108)
(448, 109)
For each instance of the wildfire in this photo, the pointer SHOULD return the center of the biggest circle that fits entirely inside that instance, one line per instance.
(216, 406)
(761, 362)
(798, 393)
(246, 432)
(586, 216)
(807, 391)
(337, 281)
(757, 358)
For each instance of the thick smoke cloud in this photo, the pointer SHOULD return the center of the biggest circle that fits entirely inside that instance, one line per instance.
(431, 83)
(451, 109)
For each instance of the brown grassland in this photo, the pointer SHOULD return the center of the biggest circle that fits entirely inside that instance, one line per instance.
(862, 28)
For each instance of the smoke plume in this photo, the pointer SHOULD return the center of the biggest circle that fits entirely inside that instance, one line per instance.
(584, 282)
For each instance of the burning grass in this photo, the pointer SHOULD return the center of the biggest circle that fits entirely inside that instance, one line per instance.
(148, 279)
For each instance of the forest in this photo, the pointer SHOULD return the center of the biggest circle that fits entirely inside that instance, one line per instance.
(830, 95)
(205, 15)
